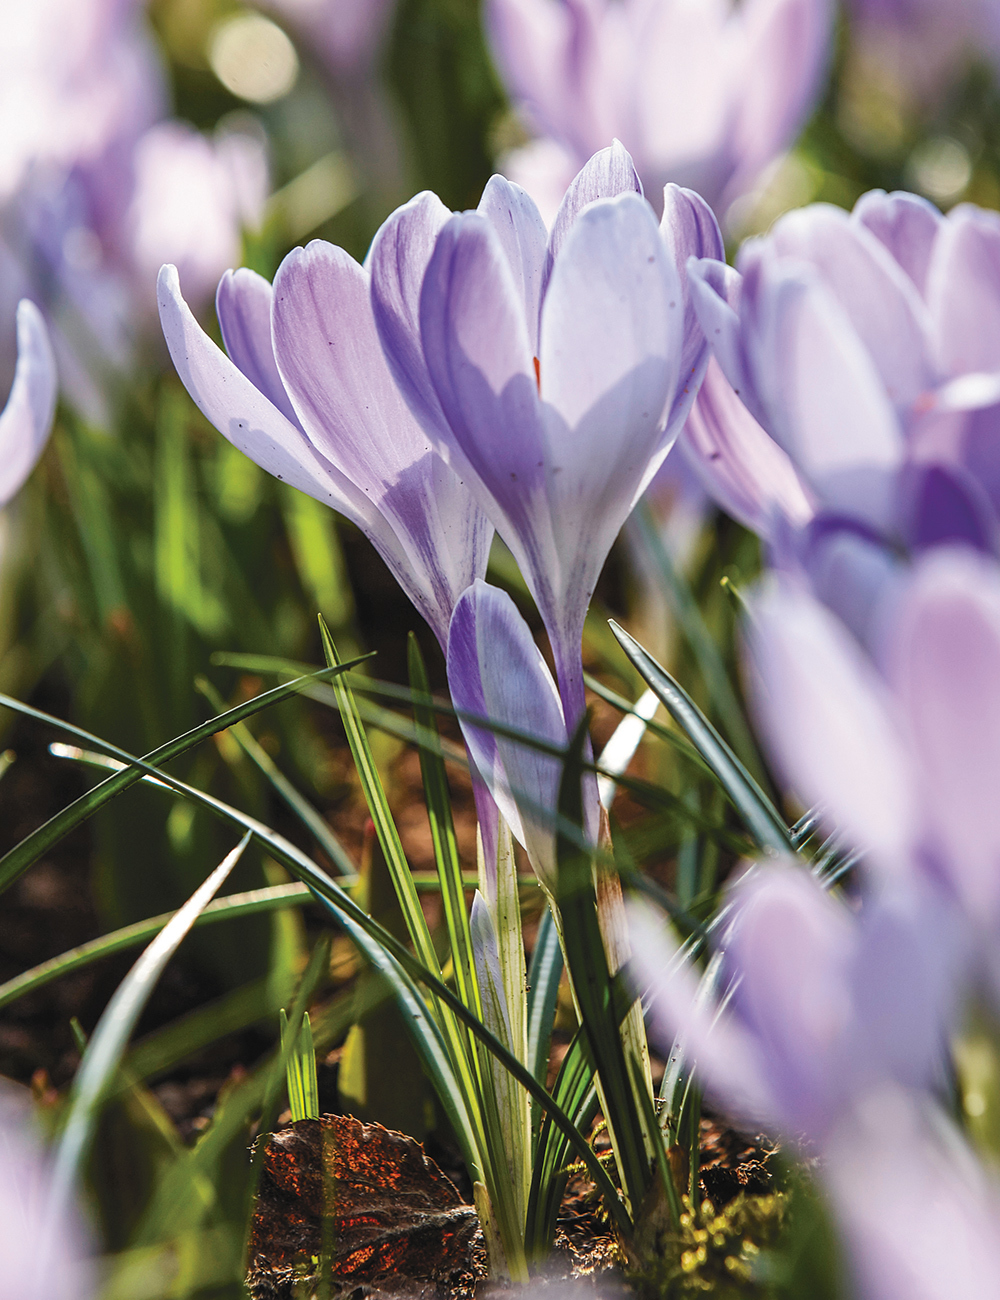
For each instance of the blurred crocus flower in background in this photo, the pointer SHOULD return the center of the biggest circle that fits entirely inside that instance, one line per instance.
(41, 1261)
(817, 1006)
(552, 371)
(26, 420)
(89, 178)
(911, 50)
(306, 393)
(704, 93)
(898, 749)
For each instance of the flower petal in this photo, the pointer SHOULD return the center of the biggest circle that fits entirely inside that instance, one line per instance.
(880, 300)
(944, 660)
(743, 469)
(243, 306)
(26, 420)
(514, 216)
(398, 261)
(827, 722)
(716, 291)
(906, 224)
(963, 291)
(333, 369)
(689, 229)
(496, 671)
(607, 174)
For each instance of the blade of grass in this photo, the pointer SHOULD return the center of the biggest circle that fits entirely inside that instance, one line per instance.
(543, 993)
(588, 969)
(130, 936)
(620, 749)
(300, 1069)
(18, 859)
(107, 1043)
(758, 812)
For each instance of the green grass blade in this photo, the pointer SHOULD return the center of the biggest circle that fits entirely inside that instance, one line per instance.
(442, 825)
(15, 862)
(575, 1091)
(699, 638)
(758, 812)
(543, 993)
(107, 1043)
(620, 749)
(300, 1069)
(585, 956)
(378, 807)
(130, 936)
(299, 805)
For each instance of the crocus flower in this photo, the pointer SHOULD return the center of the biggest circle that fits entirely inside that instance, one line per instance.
(864, 344)
(89, 174)
(347, 34)
(898, 750)
(26, 420)
(554, 374)
(819, 1006)
(705, 95)
(919, 1214)
(306, 393)
(496, 672)
(30, 1270)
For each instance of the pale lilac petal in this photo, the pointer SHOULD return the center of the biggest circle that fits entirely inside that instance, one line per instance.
(827, 722)
(827, 404)
(880, 300)
(788, 949)
(545, 170)
(920, 1216)
(728, 1060)
(854, 574)
(611, 341)
(606, 175)
(784, 58)
(964, 291)
(243, 306)
(529, 40)
(943, 503)
(690, 230)
(945, 664)
(478, 352)
(26, 420)
(241, 412)
(42, 1260)
(398, 261)
(906, 224)
(496, 671)
(332, 366)
(516, 219)
(739, 465)
(716, 294)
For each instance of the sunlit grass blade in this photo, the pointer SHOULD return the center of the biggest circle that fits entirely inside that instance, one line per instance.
(300, 1070)
(299, 805)
(620, 749)
(699, 638)
(130, 936)
(107, 1043)
(18, 859)
(584, 950)
(758, 812)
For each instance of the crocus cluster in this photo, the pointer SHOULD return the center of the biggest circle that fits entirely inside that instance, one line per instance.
(706, 95)
(98, 187)
(849, 416)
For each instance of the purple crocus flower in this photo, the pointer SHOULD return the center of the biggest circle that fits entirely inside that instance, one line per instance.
(26, 420)
(63, 1270)
(705, 95)
(897, 749)
(865, 345)
(820, 1005)
(306, 393)
(554, 374)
